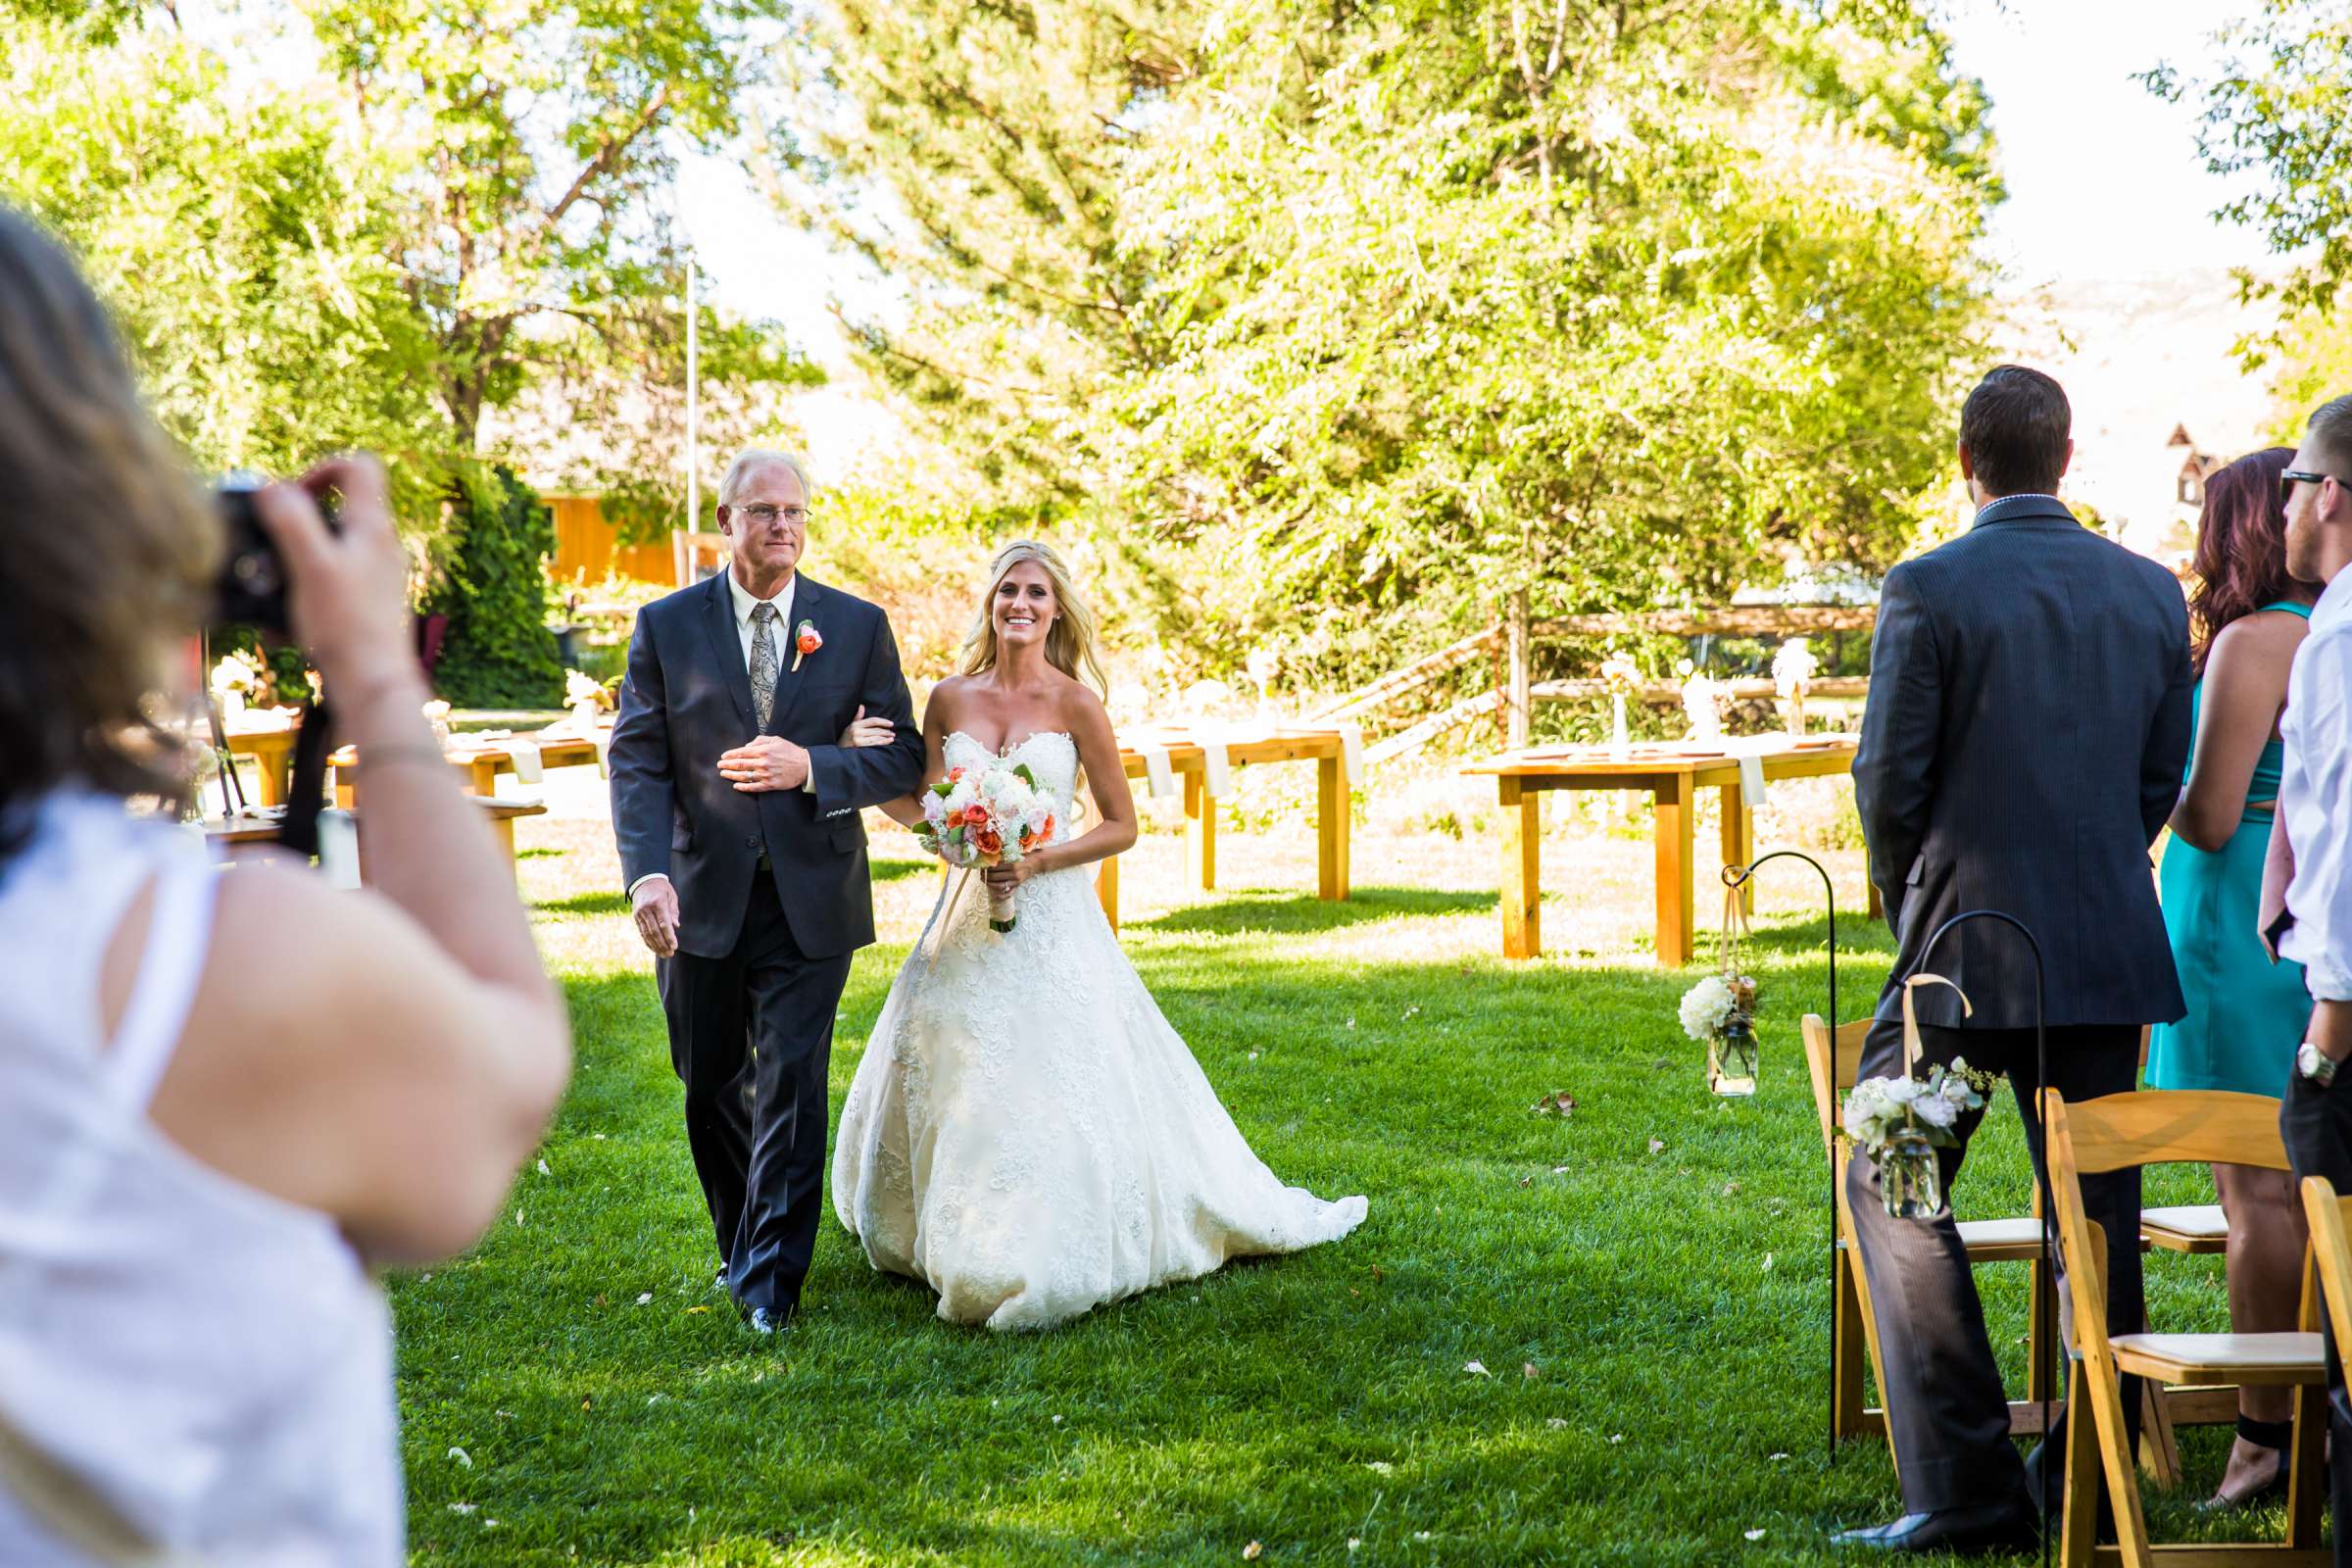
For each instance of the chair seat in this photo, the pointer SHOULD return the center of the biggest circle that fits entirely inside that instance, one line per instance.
(2222, 1357)
(2187, 1227)
(2000, 1240)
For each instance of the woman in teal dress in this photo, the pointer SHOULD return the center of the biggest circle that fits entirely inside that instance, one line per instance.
(2246, 1014)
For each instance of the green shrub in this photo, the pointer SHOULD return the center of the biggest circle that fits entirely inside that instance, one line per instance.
(497, 652)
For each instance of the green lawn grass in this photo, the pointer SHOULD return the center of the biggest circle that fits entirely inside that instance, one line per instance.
(1644, 1282)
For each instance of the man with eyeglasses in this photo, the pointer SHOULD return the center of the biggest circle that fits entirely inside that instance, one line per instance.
(2307, 887)
(736, 815)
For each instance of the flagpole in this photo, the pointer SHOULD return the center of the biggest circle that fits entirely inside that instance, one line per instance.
(694, 365)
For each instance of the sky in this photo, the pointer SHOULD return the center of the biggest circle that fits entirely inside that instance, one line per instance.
(2104, 178)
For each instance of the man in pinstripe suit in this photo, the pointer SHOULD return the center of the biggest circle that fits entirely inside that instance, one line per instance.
(2028, 722)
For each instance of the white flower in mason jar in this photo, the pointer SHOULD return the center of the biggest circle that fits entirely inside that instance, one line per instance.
(1706, 1007)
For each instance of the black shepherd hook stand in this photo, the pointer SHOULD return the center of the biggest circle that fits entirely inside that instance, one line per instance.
(2039, 1153)
(1735, 877)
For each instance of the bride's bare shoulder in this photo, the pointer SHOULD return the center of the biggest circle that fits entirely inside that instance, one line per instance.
(1078, 706)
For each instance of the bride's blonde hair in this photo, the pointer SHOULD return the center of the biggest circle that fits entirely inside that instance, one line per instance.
(1070, 642)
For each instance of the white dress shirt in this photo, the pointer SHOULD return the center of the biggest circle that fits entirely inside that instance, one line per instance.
(2315, 797)
(745, 630)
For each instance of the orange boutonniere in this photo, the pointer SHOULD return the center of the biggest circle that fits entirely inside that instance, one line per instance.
(805, 641)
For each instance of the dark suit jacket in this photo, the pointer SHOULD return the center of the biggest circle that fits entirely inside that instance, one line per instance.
(687, 698)
(2022, 747)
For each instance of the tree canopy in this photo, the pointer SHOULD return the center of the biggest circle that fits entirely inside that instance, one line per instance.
(1305, 312)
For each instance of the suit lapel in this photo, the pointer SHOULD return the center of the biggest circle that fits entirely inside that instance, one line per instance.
(808, 603)
(718, 619)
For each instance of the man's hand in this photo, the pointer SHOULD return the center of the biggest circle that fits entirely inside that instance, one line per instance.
(655, 908)
(769, 763)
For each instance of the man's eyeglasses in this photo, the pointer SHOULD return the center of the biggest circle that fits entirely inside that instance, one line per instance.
(2294, 476)
(764, 514)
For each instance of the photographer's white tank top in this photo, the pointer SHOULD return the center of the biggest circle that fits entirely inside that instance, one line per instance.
(209, 1365)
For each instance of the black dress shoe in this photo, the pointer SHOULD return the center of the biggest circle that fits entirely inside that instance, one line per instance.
(1992, 1527)
(770, 1320)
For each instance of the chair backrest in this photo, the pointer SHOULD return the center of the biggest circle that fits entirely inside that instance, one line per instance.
(2331, 1251)
(2149, 1127)
(1833, 1061)
(2162, 1126)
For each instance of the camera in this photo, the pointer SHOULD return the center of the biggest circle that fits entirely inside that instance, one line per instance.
(251, 590)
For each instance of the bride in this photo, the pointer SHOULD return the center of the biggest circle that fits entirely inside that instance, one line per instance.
(1026, 1134)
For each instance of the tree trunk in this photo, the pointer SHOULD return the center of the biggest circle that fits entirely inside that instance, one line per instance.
(1515, 634)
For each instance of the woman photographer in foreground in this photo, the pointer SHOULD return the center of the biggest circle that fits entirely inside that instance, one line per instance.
(223, 1098)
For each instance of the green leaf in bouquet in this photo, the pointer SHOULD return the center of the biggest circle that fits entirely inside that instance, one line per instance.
(1020, 771)
(943, 788)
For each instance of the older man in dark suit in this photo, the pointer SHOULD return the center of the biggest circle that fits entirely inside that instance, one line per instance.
(2029, 719)
(745, 856)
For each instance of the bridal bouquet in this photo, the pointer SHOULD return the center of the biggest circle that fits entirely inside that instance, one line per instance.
(984, 817)
(1901, 1121)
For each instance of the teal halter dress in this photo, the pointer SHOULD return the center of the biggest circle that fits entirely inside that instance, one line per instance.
(2246, 1014)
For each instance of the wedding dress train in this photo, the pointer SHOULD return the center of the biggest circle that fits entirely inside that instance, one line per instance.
(1026, 1133)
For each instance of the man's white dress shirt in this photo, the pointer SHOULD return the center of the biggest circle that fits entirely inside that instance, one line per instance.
(2315, 797)
(745, 630)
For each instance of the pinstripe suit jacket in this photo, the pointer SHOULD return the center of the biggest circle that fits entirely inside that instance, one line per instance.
(2028, 722)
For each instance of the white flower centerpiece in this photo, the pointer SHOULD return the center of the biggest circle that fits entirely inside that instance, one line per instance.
(1702, 699)
(1623, 677)
(1719, 1012)
(235, 683)
(1900, 1122)
(1792, 671)
(587, 697)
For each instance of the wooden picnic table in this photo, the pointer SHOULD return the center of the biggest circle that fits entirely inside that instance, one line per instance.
(1184, 753)
(1672, 776)
(249, 834)
(480, 759)
(267, 737)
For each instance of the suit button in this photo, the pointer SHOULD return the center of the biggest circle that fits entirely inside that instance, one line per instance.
(750, 841)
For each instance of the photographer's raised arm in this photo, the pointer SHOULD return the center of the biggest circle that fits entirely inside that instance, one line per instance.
(387, 1056)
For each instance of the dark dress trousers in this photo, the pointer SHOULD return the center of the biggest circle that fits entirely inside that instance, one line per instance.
(2022, 747)
(773, 897)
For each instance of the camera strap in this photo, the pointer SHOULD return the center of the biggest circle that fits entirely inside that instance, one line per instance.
(299, 831)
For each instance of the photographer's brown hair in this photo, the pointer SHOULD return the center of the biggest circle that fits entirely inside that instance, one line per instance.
(107, 546)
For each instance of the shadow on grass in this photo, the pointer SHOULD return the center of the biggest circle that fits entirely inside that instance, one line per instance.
(1281, 913)
(613, 902)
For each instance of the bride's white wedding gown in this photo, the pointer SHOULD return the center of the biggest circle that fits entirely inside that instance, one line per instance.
(1026, 1134)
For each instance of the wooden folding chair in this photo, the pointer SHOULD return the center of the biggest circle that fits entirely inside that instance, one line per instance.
(2156, 1127)
(1833, 1064)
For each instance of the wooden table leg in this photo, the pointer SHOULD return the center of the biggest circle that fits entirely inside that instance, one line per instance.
(483, 773)
(269, 768)
(1201, 831)
(1107, 891)
(1739, 840)
(504, 828)
(1671, 810)
(1878, 906)
(1522, 870)
(346, 782)
(1333, 804)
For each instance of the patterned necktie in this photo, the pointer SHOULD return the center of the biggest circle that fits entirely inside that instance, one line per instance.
(764, 661)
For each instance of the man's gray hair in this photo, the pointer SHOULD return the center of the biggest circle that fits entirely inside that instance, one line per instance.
(751, 457)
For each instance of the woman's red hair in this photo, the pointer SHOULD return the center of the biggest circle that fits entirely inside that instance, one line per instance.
(2242, 547)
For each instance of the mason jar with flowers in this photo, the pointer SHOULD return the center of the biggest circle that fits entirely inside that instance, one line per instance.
(1719, 1012)
(1901, 1121)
